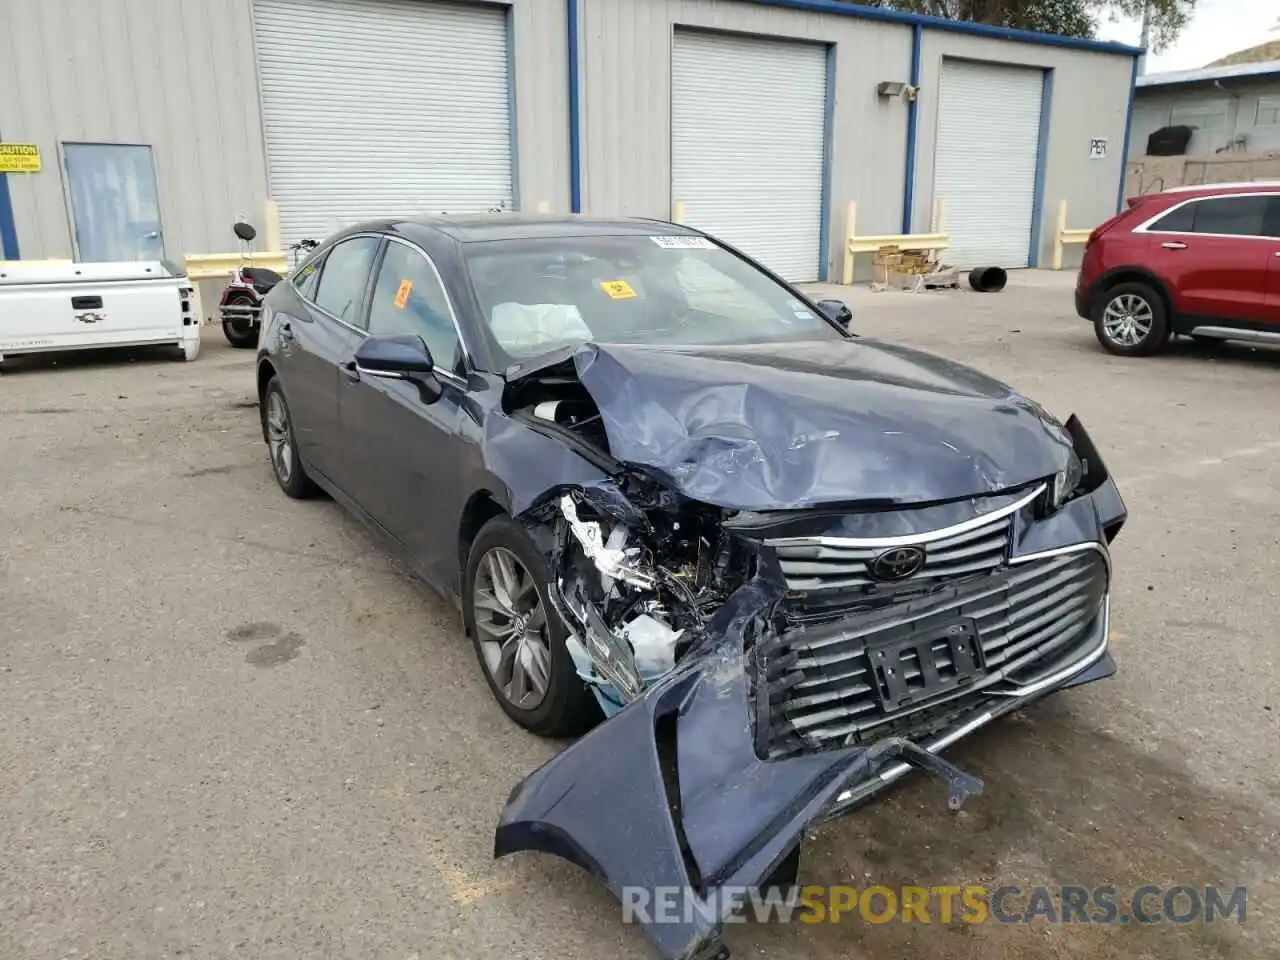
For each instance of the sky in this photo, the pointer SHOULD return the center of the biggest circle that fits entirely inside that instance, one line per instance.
(1218, 27)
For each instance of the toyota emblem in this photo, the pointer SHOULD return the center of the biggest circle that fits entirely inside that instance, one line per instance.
(897, 563)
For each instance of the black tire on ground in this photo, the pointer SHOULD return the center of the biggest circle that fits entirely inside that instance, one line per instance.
(568, 708)
(240, 333)
(988, 279)
(1132, 296)
(277, 427)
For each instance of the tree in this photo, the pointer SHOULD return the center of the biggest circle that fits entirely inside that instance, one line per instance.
(1074, 18)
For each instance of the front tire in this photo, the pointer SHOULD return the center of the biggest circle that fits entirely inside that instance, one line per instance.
(1130, 320)
(518, 638)
(241, 332)
(277, 428)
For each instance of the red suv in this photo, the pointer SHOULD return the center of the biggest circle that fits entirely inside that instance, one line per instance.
(1201, 262)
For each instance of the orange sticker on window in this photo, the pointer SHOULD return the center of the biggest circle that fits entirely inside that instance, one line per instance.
(618, 289)
(402, 295)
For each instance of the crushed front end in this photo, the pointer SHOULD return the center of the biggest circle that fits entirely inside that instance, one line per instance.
(762, 670)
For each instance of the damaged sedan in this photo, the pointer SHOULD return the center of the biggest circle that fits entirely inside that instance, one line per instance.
(762, 565)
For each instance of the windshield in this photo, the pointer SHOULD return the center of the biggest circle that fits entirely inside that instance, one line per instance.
(539, 295)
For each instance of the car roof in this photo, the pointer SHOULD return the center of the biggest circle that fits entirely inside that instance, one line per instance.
(1239, 186)
(480, 228)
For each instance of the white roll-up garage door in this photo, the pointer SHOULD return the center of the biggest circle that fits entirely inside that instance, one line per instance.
(988, 138)
(379, 108)
(747, 125)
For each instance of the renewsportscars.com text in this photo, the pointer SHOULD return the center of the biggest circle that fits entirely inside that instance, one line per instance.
(1178, 904)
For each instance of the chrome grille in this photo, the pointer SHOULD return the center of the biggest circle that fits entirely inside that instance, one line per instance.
(825, 564)
(820, 683)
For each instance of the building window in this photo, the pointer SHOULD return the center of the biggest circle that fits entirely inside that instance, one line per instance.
(1200, 116)
(1268, 114)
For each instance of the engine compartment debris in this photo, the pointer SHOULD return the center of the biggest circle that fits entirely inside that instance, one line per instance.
(634, 585)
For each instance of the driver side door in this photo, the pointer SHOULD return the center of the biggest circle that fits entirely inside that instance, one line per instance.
(404, 451)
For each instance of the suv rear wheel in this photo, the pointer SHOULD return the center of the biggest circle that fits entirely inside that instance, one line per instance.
(1130, 320)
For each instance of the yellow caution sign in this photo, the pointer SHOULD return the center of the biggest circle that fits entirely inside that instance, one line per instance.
(19, 158)
(402, 295)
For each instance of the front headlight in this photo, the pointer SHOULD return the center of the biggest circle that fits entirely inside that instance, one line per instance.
(1066, 481)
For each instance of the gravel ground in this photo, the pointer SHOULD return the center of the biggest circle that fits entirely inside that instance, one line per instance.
(230, 725)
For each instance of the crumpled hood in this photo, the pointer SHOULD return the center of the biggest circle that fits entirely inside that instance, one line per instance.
(780, 426)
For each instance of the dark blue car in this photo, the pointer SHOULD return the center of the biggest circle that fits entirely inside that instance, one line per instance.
(769, 565)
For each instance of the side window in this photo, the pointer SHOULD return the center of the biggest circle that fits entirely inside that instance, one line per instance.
(343, 279)
(308, 278)
(1233, 216)
(408, 299)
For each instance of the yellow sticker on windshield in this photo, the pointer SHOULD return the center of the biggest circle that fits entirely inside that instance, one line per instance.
(402, 295)
(618, 289)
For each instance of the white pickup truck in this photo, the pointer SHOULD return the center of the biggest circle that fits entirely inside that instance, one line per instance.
(79, 306)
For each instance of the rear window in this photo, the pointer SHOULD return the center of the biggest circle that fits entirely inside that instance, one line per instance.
(1180, 220)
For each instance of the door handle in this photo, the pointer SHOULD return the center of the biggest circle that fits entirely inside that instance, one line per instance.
(286, 331)
(1177, 245)
(351, 370)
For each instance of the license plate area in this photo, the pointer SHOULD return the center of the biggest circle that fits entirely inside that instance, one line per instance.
(927, 662)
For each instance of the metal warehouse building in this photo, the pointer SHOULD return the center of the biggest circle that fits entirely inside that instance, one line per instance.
(159, 122)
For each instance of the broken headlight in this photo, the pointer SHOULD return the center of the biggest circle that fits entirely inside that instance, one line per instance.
(1066, 481)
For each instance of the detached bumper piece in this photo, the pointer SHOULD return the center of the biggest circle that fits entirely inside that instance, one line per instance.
(671, 793)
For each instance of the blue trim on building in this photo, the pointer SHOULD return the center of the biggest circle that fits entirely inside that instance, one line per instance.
(513, 129)
(841, 8)
(575, 106)
(1128, 129)
(828, 133)
(1042, 157)
(913, 119)
(8, 229)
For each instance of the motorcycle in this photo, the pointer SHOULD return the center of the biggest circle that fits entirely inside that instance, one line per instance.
(241, 304)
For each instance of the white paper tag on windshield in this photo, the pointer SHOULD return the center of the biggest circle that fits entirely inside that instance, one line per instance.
(684, 243)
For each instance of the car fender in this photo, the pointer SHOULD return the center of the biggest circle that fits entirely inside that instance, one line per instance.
(1132, 272)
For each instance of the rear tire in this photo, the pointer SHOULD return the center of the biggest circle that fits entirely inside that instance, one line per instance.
(1130, 320)
(504, 630)
(277, 429)
(240, 333)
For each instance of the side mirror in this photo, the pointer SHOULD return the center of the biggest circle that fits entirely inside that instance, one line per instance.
(836, 310)
(245, 231)
(399, 358)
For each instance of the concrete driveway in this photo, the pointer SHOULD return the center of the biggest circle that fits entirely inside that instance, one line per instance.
(230, 726)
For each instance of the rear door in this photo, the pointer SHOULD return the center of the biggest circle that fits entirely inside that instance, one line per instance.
(404, 452)
(315, 339)
(1215, 256)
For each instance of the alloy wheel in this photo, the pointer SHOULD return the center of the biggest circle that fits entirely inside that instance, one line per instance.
(1127, 320)
(279, 437)
(511, 627)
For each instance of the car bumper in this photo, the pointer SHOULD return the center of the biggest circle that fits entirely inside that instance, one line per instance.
(670, 795)
(1084, 304)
